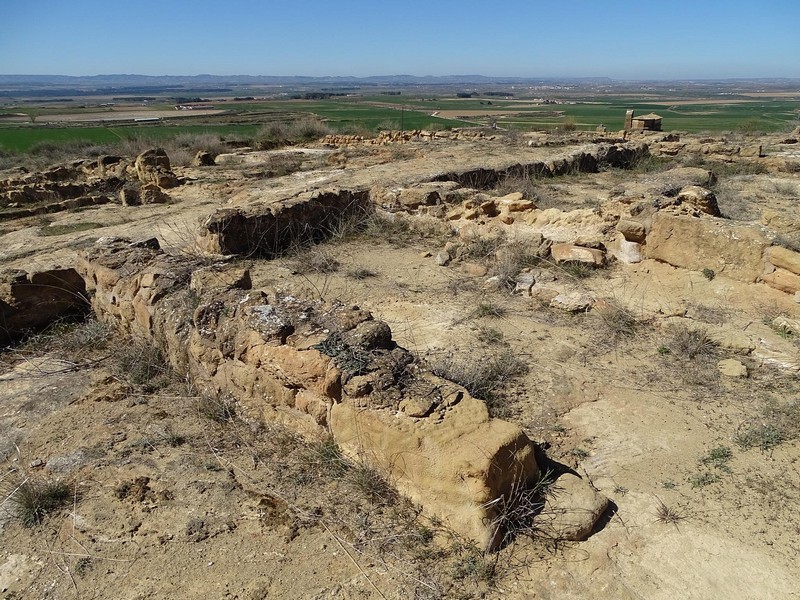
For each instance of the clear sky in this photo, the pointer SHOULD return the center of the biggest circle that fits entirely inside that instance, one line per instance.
(577, 38)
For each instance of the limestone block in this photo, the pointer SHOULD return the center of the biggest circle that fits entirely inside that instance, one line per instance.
(625, 251)
(693, 243)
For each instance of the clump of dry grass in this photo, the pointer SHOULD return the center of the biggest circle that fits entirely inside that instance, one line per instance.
(669, 515)
(690, 343)
(142, 364)
(484, 377)
(34, 499)
(617, 322)
(278, 134)
(316, 259)
(218, 408)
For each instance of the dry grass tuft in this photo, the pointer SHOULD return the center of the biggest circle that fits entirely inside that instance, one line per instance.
(33, 500)
(669, 515)
(484, 377)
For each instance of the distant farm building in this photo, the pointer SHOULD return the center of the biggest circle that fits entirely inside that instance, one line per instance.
(649, 122)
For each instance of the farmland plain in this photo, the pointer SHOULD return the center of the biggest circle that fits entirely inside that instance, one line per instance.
(104, 119)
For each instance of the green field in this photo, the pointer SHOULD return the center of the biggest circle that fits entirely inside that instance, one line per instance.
(242, 120)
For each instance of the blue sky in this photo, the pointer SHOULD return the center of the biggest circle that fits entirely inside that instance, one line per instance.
(619, 39)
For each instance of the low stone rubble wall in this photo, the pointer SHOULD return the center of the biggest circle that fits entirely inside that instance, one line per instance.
(318, 368)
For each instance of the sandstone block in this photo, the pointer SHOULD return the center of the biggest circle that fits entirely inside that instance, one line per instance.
(632, 230)
(783, 280)
(731, 367)
(573, 302)
(784, 258)
(572, 510)
(701, 198)
(735, 251)
(151, 193)
(152, 166)
(29, 301)
(454, 465)
(203, 159)
(570, 253)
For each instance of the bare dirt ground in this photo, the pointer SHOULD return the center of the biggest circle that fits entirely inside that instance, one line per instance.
(169, 500)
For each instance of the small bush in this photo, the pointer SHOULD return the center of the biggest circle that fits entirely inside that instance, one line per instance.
(33, 500)
(489, 335)
(709, 273)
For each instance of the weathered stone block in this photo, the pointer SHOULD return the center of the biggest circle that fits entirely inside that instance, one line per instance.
(735, 251)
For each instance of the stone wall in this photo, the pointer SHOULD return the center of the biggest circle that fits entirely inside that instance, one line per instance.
(318, 368)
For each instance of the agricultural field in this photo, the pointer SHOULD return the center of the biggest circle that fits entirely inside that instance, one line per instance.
(26, 123)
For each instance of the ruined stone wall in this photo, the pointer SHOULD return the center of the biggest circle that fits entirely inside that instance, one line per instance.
(318, 368)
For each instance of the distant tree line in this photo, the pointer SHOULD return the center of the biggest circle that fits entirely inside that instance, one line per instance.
(315, 96)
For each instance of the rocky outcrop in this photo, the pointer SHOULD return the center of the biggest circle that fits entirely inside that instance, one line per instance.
(318, 367)
(269, 231)
(152, 166)
(392, 137)
(30, 301)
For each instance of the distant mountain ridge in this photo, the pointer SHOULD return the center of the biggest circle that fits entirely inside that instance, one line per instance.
(205, 79)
